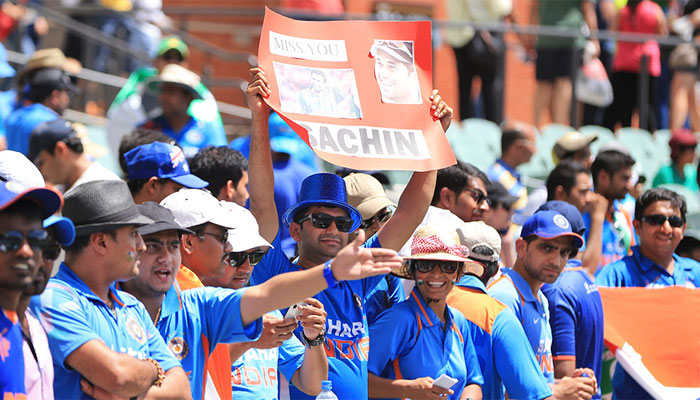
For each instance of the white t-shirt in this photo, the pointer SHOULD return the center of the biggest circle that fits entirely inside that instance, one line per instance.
(95, 172)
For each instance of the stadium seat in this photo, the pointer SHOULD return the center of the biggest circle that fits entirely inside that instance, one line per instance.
(691, 198)
(541, 162)
(476, 141)
(605, 135)
(661, 138)
(643, 149)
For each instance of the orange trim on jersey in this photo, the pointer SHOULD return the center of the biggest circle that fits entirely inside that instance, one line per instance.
(476, 306)
(573, 269)
(188, 279)
(421, 308)
(116, 300)
(564, 358)
(11, 315)
(494, 282)
(454, 328)
(420, 324)
(219, 369)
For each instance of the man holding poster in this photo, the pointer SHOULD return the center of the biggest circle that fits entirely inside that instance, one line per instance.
(321, 223)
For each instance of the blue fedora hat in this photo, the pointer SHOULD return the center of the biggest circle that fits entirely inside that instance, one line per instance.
(323, 189)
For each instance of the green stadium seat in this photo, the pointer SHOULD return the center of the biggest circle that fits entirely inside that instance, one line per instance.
(643, 149)
(477, 142)
(691, 198)
(605, 135)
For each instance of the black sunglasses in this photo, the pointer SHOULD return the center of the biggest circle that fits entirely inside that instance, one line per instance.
(426, 266)
(478, 195)
(382, 218)
(658, 220)
(237, 258)
(11, 241)
(323, 221)
(51, 251)
(222, 237)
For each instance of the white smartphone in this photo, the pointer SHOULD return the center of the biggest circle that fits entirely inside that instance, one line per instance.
(293, 311)
(445, 381)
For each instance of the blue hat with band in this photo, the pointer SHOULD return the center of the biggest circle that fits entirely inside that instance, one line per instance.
(161, 160)
(323, 189)
(47, 199)
(569, 212)
(63, 227)
(550, 225)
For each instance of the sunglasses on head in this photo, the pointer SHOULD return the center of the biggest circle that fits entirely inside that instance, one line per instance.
(658, 220)
(237, 258)
(382, 218)
(11, 241)
(426, 266)
(323, 221)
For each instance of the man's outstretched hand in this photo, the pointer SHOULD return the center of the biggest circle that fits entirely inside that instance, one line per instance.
(356, 262)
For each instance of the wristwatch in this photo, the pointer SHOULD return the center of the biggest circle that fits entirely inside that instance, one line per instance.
(320, 339)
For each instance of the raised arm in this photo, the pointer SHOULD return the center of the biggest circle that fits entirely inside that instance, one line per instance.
(415, 199)
(352, 262)
(261, 177)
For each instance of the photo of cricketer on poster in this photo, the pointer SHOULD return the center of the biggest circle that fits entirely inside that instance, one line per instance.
(356, 91)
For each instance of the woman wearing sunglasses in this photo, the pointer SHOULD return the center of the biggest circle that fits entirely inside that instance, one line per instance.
(420, 339)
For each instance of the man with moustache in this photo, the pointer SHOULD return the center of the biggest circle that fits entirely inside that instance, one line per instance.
(86, 317)
(21, 238)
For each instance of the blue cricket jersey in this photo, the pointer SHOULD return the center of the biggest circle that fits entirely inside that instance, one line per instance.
(194, 135)
(347, 335)
(388, 292)
(11, 357)
(576, 319)
(513, 291)
(255, 375)
(504, 352)
(192, 322)
(614, 247)
(409, 342)
(636, 270)
(73, 315)
(22, 121)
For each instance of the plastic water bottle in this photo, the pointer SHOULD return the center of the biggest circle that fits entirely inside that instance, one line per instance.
(326, 392)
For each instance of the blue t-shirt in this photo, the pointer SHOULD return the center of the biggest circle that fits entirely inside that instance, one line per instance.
(11, 357)
(22, 121)
(503, 350)
(638, 271)
(387, 293)
(73, 315)
(614, 247)
(576, 318)
(513, 291)
(193, 322)
(409, 342)
(255, 375)
(510, 179)
(193, 136)
(347, 335)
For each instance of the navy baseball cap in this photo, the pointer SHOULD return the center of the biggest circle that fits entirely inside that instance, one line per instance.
(48, 200)
(162, 160)
(46, 134)
(569, 212)
(63, 227)
(550, 224)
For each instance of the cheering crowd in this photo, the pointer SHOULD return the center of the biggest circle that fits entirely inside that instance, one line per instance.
(168, 287)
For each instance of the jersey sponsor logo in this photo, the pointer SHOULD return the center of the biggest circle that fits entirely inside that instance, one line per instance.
(590, 287)
(178, 347)
(253, 376)
(347, 349)
(135, 330)
(338, 328)
(546, 363)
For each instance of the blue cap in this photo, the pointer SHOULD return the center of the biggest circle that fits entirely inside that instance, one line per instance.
(161, 160)
(64, 228)
(550, 225)
(46, 134)
(49, 200)
(569, 212)
(6, 70)
(323, 189)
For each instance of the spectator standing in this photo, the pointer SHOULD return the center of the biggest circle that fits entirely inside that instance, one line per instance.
(505, 356)
(682, 170)
(479, 53)
(638, 16)
(659, 220)
(58, 152)
(176, 87)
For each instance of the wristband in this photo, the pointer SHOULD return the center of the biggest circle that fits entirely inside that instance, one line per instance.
(160, 374)
(328, 275)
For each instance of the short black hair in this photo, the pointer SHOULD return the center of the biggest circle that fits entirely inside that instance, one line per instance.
(491, 267)
(135, 185)
(659, 194)
(218, 165)
(73, 143)
(564, 175)
(81, 242)
(687, 245)
(610, 161)
(138, 137)
(456, 178)
(25, 207)
(509, 137)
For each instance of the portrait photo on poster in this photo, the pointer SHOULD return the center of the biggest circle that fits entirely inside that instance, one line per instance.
(395, 71)
(325, 92)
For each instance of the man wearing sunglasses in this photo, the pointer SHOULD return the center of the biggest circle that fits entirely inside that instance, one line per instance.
(659, 220)
(21, 241)
(461, 190)
(320, 223)
(543, 249)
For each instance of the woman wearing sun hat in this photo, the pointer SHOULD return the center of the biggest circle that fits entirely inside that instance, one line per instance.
(420, 339)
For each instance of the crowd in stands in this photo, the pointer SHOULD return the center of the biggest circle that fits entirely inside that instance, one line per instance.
(214, 270)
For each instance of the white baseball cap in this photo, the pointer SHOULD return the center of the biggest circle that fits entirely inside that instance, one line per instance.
(16, 167)
(245, 235)
(192, 207)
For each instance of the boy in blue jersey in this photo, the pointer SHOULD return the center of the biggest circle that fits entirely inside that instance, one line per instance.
(543, 249)
(100, 338)
(21, 239)
(576, 310)
(320, 224)
(659, 219)
(505, 356)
